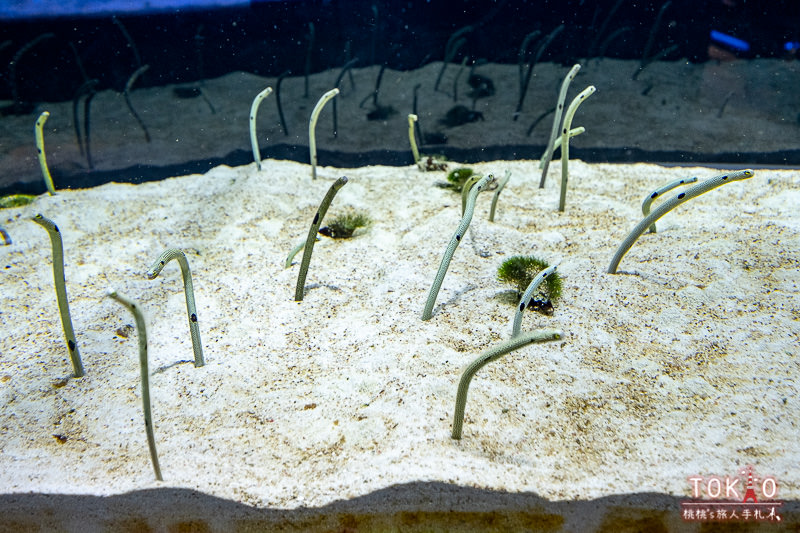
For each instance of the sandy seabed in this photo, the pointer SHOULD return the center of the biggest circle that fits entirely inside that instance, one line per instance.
(684, 363)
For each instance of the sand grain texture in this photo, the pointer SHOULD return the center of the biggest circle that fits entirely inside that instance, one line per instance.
(684, 363)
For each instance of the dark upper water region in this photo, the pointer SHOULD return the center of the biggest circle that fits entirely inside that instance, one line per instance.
(271, 37)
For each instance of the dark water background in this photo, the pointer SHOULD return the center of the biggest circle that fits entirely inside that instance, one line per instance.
(269, 38)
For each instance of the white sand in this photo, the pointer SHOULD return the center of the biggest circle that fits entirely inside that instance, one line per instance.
(684, 363)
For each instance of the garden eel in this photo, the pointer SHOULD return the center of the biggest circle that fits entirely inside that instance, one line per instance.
(658, 192)
(574, 132)
(565, 131)
(312, 126)
(454, 241)
(48, 179)
(61, 291)
(142, 333)
(544, 164)
(465, 190)
(346, 68)
(312, 236)
(155, 270)
(539, 51)
(497, 192)
(294, 251)
(412, 118)
(527, 295)
(127, 93)
(669, 205)
(278, 101)
(253, 112)
(488, 356)
(521, 55)
(6, 236)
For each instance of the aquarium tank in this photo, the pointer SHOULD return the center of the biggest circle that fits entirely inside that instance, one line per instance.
(144, 90)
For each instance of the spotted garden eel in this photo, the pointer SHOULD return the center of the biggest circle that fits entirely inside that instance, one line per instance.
(500, 186)
(453, 244)
(294, 251)
(155, 270)
(312, 128)
(466, 189)
(61, 291)
(412, 118)
(253, 112)
(312, 236)
(527, 295)
(658, 192)
(514, 343)
(127, 94)
(669, 205)
(39, 134)
(544, 164)
(6, 236)
(572, 133)
(565, 134)
(142, 333)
